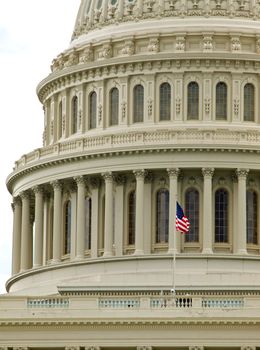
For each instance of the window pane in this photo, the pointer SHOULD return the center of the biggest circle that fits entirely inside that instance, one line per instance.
(131, 218)
(221, 216)
(67, 238)
(221, 101)
(138, 104)
(251, 217)
(162, 216)
(88, 209)
(193, 100)
(114, 106)
(249, 103)
(74, 114)
(165, 101)
(192, 213)
(92, 110)
(60, 121)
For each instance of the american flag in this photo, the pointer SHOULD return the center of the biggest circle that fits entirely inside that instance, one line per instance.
(182, 222)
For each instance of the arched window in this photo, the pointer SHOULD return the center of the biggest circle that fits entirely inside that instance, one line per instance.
(251, 217)
(114, 106)
(165, 101)
(138, 106)
(60, 121)
(88, 209)
(67, 227)
(249, 103)
(162, 216)
(92, 110)
(131, 217)
(221, 101)
(74, 114)
(192, 213)
(193, 100)
(221, 216)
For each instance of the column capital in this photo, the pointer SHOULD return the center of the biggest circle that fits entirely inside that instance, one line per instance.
(108, 176)
(16, 202)
(80, 180)
(144, 348)
(92, 347)
(148, 177)
(207, 172)
(37, 189)
(248, 348)
(173, 172)
(242, 173)
(25, 195)
(140, 174)
(72, 348)
(56, 185)
(196, 348)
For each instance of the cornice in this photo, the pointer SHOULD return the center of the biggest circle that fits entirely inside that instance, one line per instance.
(129, 323)
(142, 142)
(176, 62)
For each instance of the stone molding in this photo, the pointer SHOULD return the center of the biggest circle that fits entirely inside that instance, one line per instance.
(87, 73)
(132, 12)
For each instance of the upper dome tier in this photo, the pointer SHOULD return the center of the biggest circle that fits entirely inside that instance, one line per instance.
(99, 13)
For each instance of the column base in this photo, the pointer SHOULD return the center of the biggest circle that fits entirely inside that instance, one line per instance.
(55, 261)
(107, 254)
(207, 251)
(79, 258)
(36, 266)
(171, 251)
(138, 252)
(241, 252)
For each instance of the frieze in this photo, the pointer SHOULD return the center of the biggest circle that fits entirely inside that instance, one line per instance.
(151, 9)
(54, 82)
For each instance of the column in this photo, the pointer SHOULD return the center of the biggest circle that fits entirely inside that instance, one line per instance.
(94, 184)
(17, 220)
(207, 211)
(38, 243)
(241, 234)
(25, 232)
(173, 176)
(139, 217)
(148, 213)
(119, 215)
(108, 244)
(80, 236)
(57, 224)
(73, 199)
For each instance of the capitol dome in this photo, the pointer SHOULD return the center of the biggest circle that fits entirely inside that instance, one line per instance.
(152, 102)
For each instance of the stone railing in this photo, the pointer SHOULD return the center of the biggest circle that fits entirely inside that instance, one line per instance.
(119, 303)
(48, 303)
(222, 303)
(177, 138)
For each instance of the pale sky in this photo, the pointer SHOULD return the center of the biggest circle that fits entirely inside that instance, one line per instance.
(32, 33)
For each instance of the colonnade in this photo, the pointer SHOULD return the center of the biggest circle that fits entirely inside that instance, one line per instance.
(28, 248)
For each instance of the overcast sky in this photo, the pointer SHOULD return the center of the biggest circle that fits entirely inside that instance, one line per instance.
(32, 33)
